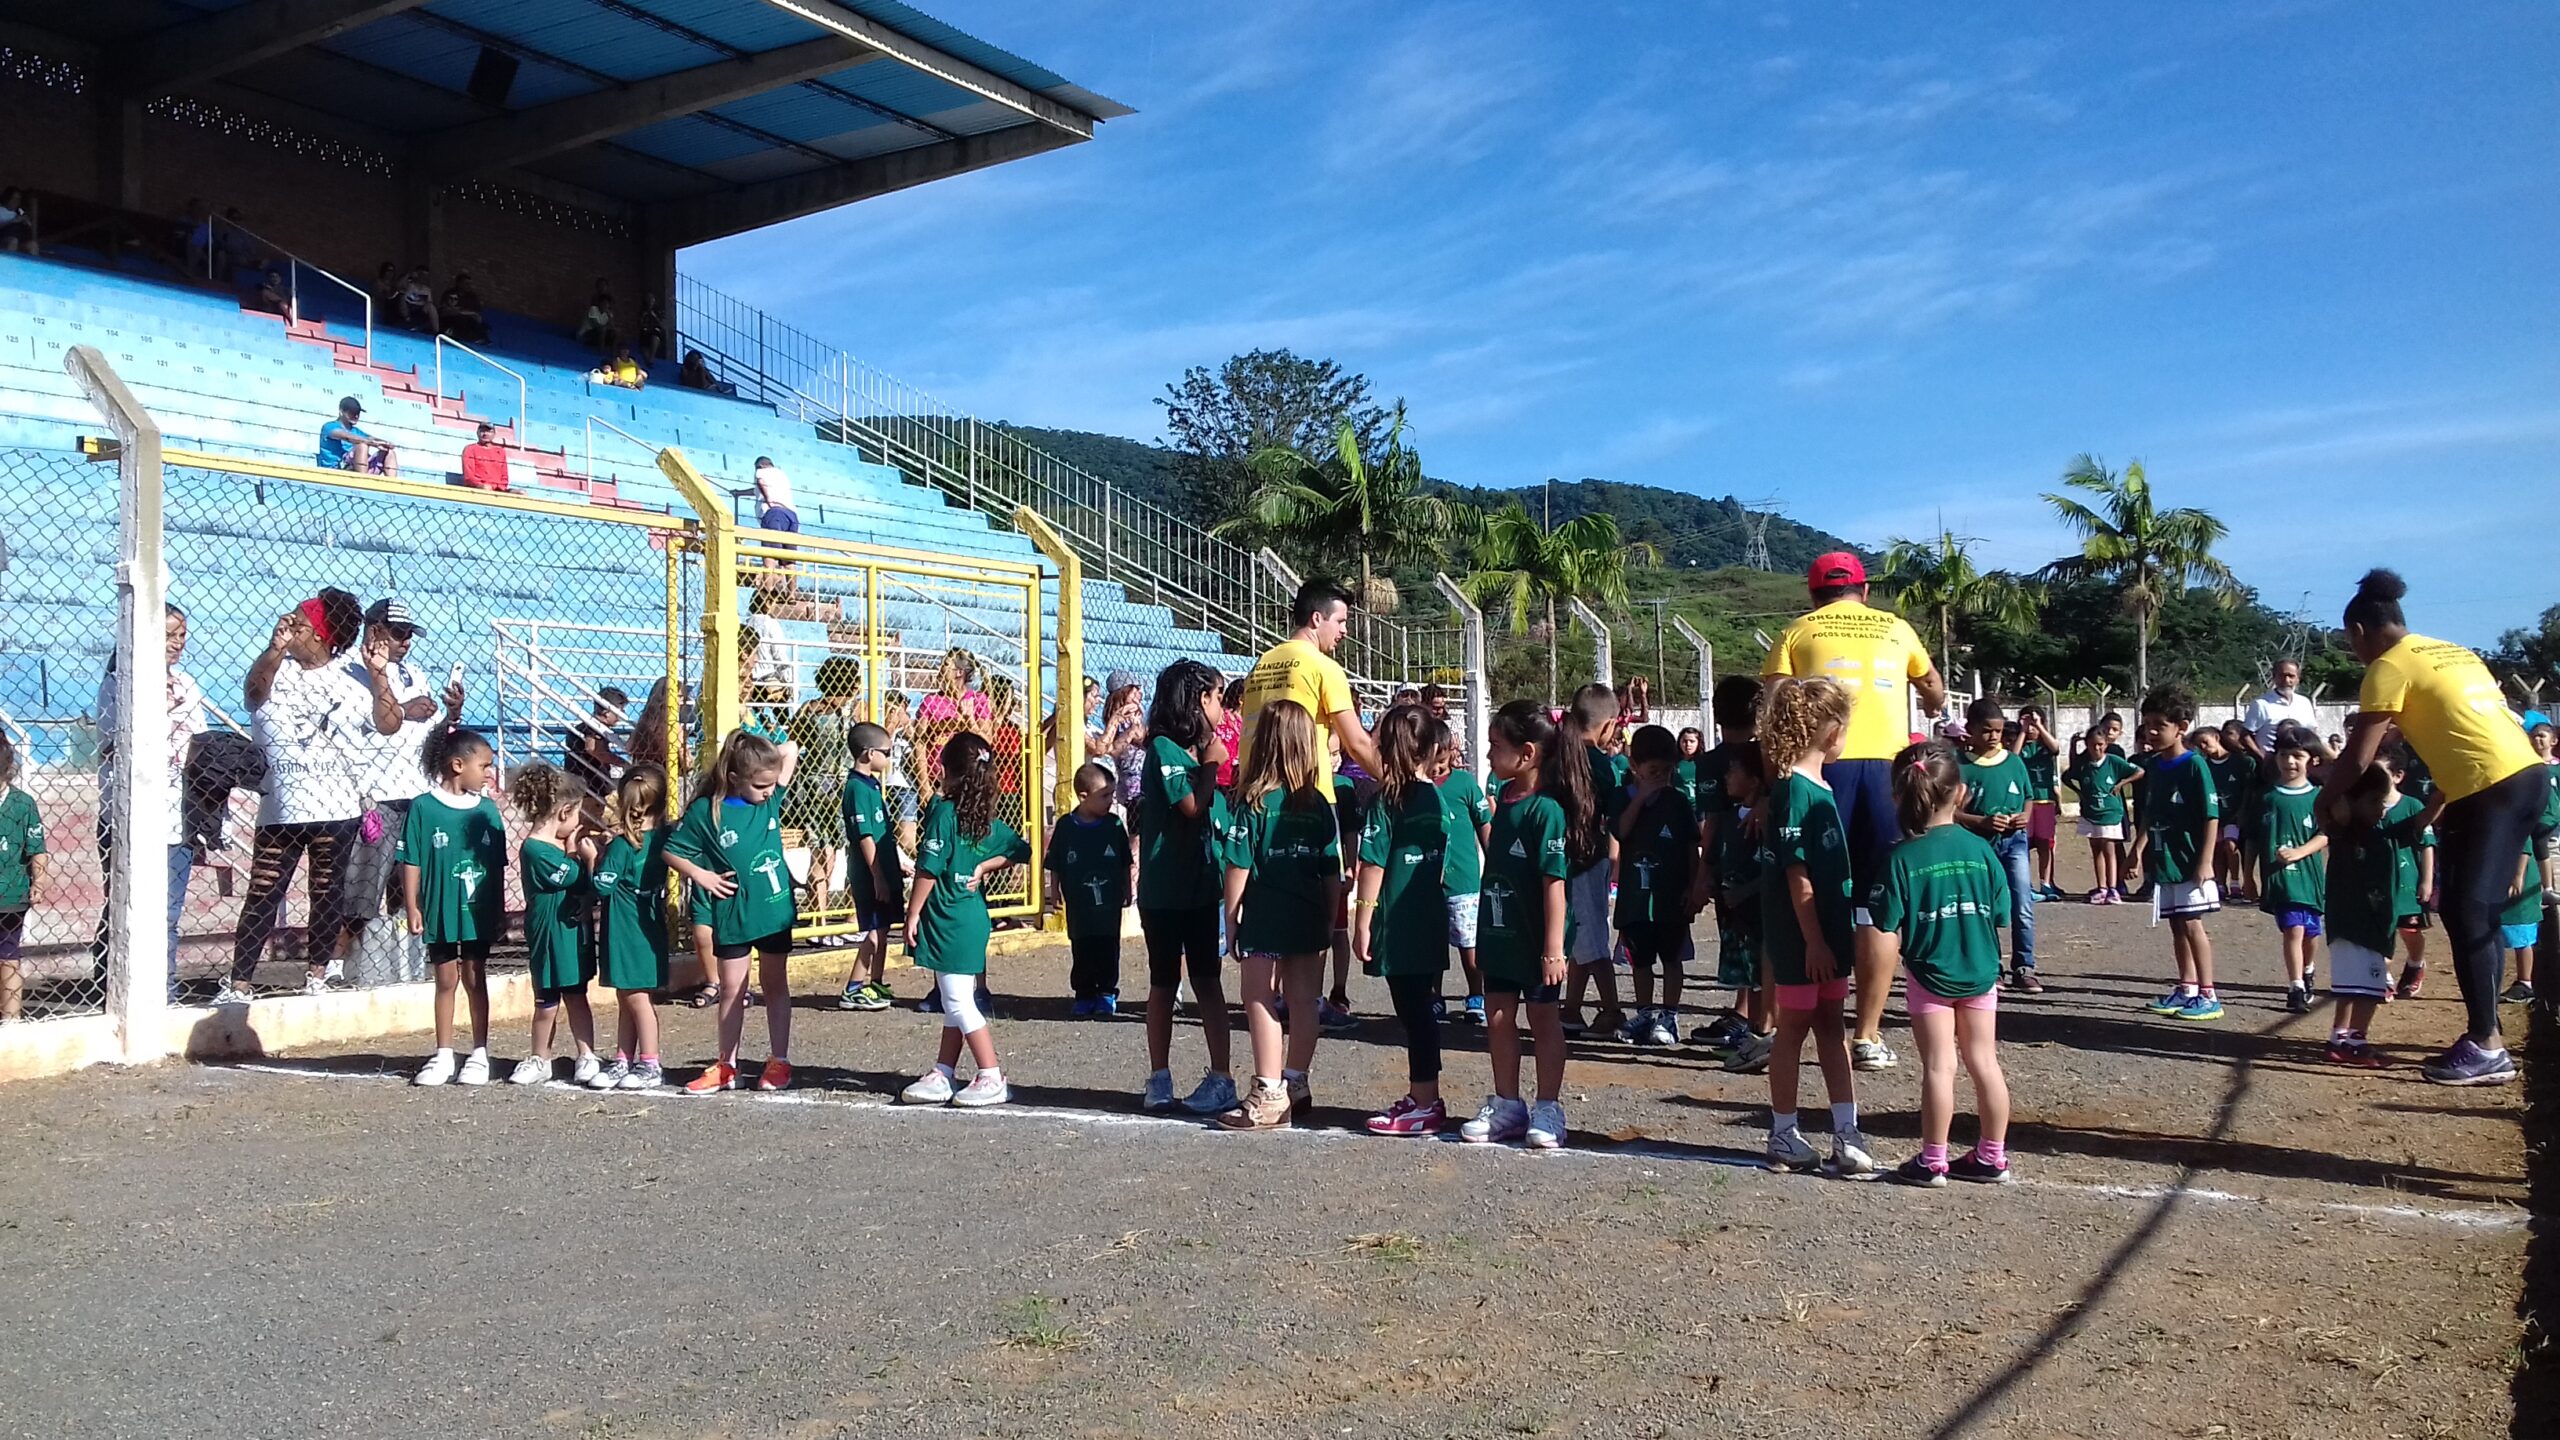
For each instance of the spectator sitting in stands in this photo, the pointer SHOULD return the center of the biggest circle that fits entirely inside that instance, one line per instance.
(696, 375)
(233, 249)
(195, 232)
(273, 298)
(597, 328)
(17, 222)
(622, 370)
(484, 461)
(386, 287)
(460, 309)
(414, 304)
(652, 330)
(344, 447)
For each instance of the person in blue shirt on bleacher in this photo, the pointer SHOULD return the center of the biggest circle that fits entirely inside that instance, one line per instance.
(344, 447)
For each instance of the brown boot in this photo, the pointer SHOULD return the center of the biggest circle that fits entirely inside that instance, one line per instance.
(1265, 1107)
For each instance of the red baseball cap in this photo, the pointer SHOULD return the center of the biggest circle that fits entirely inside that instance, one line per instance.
(1837, 568)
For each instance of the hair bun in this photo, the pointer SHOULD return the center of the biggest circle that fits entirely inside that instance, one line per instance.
(2381, 584)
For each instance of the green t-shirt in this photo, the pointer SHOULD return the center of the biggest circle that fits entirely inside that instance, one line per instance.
(1462, 872)
(21, 840)
(2002, 787)
(2095, 783)
(1091, 860)
(555, 916)
(459, 844)
(1608, 778)
(951, 933)
(2284, 821)
(1526, 851)
(1805, 829)
(1946, 896)
(2526, 908)
(2373, 878)
(1742, 870)
(2408, 837)
(744, 843)
(866, 814)
(2235, 785)
(631, 892)
(1291, 852)
(2040, 760)
(1656, 860)
(1178, 858)
(2178, 810)
(1409, 930)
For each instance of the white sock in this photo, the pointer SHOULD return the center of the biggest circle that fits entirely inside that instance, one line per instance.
(1782, 1122)
(1844, 1116)
(993, 1071)
(1265, 1082)
(443, 1052)
(480, 1050)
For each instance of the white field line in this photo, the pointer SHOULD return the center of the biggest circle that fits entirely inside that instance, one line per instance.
(2481, 1218)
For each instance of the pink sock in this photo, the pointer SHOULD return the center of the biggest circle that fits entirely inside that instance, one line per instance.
(1935, 1157)
(648, 1059)
(1994, 1153)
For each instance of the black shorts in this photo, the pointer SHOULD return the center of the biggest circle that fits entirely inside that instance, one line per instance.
(777, 943)
(1173, 936)
(1664, 940)
(475, 951)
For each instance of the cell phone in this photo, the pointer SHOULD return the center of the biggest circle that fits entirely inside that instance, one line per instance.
(455, 678)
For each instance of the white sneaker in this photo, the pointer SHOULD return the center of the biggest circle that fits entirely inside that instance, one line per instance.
(1871, 1055)
(314, 985)
(1546, 1125)
(1159, 1091)
(233, 993)
(1751, 1057)
(1658, 1029)
(1214, 1095)
(591, 1072)
(531, 1070)
(1499, 1120)
(1849, 1157)
(437, 1071)
(335, 972)
(931, 1088)
(1789, 1153)
(475, 1069)
(987, 1087)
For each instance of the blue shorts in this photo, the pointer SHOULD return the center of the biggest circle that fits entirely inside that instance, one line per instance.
(2521, 937)
(1863, 791)
(780, 517)
(870, 917)
(2297, 917)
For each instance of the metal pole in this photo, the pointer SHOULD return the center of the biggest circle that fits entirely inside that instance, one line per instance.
(1479, 676)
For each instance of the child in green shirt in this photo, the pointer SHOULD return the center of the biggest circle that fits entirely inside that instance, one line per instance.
(1182, 824)
(2371, 831)
(1998, 790)
(2043, 759)
(2297, 868)
(1088, 879)
(962, 846)
(1463, 877)
(1399, 917)
(1283, 881)
(21, 876)
(874, 880)
(453, 864)
(1657, 835)
(555, 859)
(1946, 894)
(1807, 917)
(630, 935)
(1746, 1031)
(729, 846)
(2101, 778)
(2179, 811)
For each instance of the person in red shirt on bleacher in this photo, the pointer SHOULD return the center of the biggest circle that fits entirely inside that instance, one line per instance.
(484, 462)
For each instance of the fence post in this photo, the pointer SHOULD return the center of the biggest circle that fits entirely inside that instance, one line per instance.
(1479, 671)
(1706, 670)
(1604, 648)
(138, 957)
(1069, 741)
(720, 700)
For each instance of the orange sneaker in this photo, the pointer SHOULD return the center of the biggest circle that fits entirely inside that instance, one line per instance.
(776, 1076)
(720, 1076)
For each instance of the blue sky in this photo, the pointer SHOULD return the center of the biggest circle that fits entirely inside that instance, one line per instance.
(1879, 263)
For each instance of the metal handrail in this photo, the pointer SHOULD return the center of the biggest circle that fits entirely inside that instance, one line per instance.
(524, 415)
(593, 422)
(293, 275)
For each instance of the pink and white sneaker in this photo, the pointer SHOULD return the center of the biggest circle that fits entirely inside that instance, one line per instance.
(1404, 1119)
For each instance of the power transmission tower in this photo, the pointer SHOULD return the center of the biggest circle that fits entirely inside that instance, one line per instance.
(1755, 554)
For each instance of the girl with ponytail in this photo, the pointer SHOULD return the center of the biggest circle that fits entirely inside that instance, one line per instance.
(961, 848)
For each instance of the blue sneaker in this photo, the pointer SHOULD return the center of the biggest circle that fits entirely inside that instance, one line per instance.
(1108, 1005)
(1083, 1008)
(2467, 1064)
(2200, 1007)
(1475, 1009)
(2169, 1004)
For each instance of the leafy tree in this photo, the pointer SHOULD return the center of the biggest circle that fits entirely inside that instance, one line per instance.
(2530, 656)
(1218, 420)
(1937, 582)
(1347, 506)
(1522, 567)
(2144, 552)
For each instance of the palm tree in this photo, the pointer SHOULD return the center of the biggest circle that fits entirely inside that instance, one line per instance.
(1347, 505)
(1521, 566)
(2144, 551)
(1936, 580)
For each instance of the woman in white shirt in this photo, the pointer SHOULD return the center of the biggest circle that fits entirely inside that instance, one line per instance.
(186, 720)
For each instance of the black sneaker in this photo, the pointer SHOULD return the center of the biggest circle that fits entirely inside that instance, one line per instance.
(1914, 1172)
(2520, 993)
(1969, 1168)
(2297, 999)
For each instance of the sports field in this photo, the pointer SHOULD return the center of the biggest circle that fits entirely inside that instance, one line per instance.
(2214, 1234)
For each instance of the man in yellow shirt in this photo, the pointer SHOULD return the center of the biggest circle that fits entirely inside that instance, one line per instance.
(1877, 657)
(1302, 668)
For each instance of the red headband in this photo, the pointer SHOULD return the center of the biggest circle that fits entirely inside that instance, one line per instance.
(318, 614)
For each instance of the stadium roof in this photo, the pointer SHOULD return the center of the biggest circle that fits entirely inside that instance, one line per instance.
(705, 116)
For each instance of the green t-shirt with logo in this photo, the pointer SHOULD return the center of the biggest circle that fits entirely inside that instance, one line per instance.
(2178, 811)
(1290, 849)
(2526, 908)
(2000, 787)
(459, 844)
(1608, 778)
(2408, 837)
(2284, 821)
(1805, 833)
(1091, 860)
(1946, 895)
(1462, 873)
(2041, 761)
(951, 932)
(1742, 869)
(866, 815)
(1178, 858)
(555, 916)
(1656, 860)
(742, 842)
(2095, 783)
(1525, 852)
(631, 896)
(2235, 785)
(1409, 929)
(21, 840)
(2367, 889)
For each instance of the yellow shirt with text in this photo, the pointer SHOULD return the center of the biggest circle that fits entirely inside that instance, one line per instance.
(2449, 711)
(1874, 654)
(1297, 670)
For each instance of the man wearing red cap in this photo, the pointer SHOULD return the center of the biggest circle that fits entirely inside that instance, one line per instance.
(1875, 654)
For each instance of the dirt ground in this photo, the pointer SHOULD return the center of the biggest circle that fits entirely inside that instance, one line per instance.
(2215, 1235)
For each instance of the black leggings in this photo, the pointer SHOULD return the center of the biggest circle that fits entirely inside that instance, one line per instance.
(1095, 970)
(1174, 936)
(278, 851)
(2478, 841)
(1414, 995)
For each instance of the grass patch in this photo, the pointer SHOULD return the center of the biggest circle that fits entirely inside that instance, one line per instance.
(1393, 1247)
(1032, 1324)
